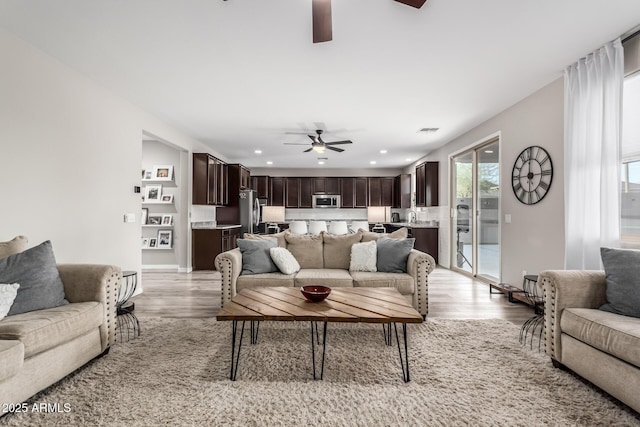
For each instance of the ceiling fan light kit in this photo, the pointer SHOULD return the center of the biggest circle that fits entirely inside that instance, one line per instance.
(319, 145)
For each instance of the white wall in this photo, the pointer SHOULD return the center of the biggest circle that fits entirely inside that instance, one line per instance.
(534, 241)
(70, 155)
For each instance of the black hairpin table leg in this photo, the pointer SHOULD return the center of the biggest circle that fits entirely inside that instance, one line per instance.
(235, 358)
(403, 363)
(315, 337)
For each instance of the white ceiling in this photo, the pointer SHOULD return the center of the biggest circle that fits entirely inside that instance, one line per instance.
(240, 74)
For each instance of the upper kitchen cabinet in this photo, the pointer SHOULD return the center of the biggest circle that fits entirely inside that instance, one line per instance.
(361, 196)
(276, 191)
(427, 184)
(381, 191)
(402, 191)
(260, 183)
(298, 192)
(245, 176)
(323, 185)
(209, 180)
(347, 193)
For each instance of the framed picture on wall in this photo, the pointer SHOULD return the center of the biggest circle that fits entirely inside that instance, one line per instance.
(165, 238)
(147, 174)
(163, 172)
(152, 193)
(154, 219)
(167, 219)
(152, 242)
(167, 198)
(143, 217)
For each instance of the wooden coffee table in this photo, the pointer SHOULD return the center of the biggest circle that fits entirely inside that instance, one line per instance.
(368, 305)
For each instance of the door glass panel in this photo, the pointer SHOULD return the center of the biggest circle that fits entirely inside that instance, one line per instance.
(488, 226)
(462, 208)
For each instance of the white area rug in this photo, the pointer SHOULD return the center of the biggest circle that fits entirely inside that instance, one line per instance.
(462, 373)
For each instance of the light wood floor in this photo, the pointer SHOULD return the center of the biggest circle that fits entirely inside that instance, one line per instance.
(195, 295)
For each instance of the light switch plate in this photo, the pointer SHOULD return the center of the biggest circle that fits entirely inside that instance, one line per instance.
(129, 217)
(507, 218)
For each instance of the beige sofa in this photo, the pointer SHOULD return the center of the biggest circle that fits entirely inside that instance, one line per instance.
(324, 260)
(602, 347)
(41, 347)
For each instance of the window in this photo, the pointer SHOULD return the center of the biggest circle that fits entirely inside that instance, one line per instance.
(630, 170)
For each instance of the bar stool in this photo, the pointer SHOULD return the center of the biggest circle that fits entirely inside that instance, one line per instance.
(535, 298)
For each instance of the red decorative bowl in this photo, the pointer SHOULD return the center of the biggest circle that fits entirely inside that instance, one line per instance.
(315, 293)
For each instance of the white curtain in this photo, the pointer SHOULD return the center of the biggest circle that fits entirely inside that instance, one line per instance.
(592, 134)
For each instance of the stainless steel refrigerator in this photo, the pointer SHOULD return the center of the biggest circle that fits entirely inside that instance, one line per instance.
(249, 211)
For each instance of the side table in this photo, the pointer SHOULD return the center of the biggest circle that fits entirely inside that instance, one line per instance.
(128, 325)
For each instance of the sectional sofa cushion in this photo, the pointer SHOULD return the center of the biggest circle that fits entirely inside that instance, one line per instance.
(393, 254)
(12, 356)
(36, 272)
(403, 282)
(44, 329)
(307, 249)
(400, 233)
(609, 332)
(8, 294)
(331, 277)
(337, 249)
(13, 246)
(622, 269)
(265, 279)
(256, 257)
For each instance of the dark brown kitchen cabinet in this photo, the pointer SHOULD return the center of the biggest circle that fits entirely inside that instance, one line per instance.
(375, 191)
(306, 191)
(260, 183)
(276, 191)
(427, 185)
(361, 193)
(333, 186)
(319, 185)
(387, 192)
(347, 193)
(245, 176)
(426, 241)
(206, 244)
(209, 180)
(402, 193)
(292, 192)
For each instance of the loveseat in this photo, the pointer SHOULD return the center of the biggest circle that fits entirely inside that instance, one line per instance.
(325, 260)
(38, 348)
(600, 346)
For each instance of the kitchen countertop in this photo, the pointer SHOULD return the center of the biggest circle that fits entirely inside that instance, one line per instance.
(412, 224)
(212, 226)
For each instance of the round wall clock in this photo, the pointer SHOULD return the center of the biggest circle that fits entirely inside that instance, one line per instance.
(532, 175)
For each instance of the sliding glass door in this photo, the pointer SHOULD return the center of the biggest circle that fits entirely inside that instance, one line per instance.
(475, 207)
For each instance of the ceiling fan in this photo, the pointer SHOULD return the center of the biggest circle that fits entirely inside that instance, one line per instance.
(319, 145)
(321, 12)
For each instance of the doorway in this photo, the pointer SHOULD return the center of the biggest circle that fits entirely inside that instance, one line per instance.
(475, 205)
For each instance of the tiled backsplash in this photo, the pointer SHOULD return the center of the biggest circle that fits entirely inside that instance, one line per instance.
(327, 214)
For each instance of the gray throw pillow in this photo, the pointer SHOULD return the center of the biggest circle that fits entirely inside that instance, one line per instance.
(622, 270)
(36, 272)
(392, 254)
(256, 257)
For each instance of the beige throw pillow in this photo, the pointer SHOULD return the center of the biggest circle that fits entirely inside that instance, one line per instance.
(13, 246)
(306, 249)
(282, 243)
(337, 249)
(401, 233)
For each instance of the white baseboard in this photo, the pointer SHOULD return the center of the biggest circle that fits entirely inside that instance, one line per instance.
(161, 267)
(185, 270)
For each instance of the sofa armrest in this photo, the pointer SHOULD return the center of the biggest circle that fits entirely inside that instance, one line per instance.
(568, 289)
(419, 265)
(92, 282)
(229, 264)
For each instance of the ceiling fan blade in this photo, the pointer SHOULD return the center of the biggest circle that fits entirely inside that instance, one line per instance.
(414, 3)
(339, 150)
(295, 143)
(339, 142)
(307, 150)
(314, 138)
(321, 11)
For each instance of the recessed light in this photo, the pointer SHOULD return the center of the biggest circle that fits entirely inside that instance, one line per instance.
(321, 162)
(269, 162)
(383, 151)
(408, 160)
(488, 151)
(372, 162)
(258, 151)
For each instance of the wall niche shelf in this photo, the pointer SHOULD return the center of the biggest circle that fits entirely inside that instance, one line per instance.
(158, 225)
(157, 249)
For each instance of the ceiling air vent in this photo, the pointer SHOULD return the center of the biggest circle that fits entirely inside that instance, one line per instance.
(429, 130)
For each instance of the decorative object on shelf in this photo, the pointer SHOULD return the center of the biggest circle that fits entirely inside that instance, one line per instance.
(154, 219)
(146, 174)
(167, 219)
(152, 242)
(145, 242)
(127, 321)
(153, 193)
(167, 198)
(162, 173)
(532, 175)
(165, 238)
(144, 216)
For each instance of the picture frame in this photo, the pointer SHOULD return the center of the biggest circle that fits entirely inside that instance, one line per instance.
(145, 242)
(144, 216)
(144, 172)
(154, 220)
(152, 242)
(165, 238)
(167, 198)
(167, 219)
(153, 193)
(147, 174)
(162, 172)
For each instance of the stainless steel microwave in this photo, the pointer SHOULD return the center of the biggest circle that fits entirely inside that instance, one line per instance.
(326, 201)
